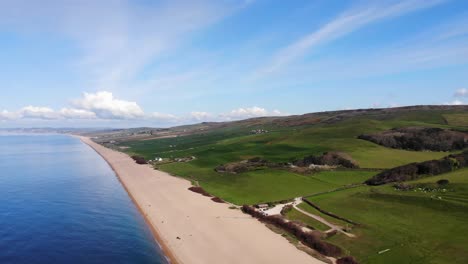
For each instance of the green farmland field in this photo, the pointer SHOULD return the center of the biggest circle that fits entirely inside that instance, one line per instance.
(417, 227)
(396, 226)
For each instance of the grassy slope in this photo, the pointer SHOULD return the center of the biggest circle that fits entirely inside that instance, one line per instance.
(459, 119)
(266, 185)
(415, 227)
(298, 216)
(280, 145)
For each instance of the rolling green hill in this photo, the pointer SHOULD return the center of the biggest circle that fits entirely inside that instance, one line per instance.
(288, 138)
(404, 226)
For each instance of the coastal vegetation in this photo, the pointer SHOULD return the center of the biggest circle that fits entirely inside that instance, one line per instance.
(139, 159)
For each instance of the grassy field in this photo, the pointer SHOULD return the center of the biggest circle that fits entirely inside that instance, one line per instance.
(457, 119)
(286, 144)
(283, 144)
(330, 219)
(266, 185)
(344, 177)
(417, 227)
(298, 216)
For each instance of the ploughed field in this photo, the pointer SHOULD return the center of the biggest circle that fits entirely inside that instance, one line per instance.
(395, 225)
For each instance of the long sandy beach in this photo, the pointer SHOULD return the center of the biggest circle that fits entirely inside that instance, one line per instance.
(190, 227)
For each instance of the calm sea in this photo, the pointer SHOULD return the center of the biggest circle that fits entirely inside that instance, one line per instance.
(61, 203)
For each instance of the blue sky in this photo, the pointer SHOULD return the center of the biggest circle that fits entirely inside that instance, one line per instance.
(162, 63)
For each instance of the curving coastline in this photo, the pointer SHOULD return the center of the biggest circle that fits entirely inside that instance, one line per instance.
(167, 253)
(190, 227)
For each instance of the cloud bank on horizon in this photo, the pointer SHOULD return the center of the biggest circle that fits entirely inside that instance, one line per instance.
(175, 62)
(103, 106)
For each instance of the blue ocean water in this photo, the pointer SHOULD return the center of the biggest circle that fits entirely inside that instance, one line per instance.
(60, 202)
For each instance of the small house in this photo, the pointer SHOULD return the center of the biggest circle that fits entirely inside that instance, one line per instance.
(262, 206)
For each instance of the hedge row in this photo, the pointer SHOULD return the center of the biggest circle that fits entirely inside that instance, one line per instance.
(200, 190)
(217, 200)
(328, 213)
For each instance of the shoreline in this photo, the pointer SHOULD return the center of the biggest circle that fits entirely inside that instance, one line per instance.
(170, 257)
(189, 227)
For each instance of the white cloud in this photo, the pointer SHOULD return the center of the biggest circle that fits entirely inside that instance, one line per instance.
(277, 113)
(100, 105)
(162, 117)
(38, 112)
(458, 93)
(71, 113)
(46, 113)
(105, 106)
(461, 93)
(344, 24)
(392, 105)
(6, 115)
(248, 112)
(201, 116)
(455, 102)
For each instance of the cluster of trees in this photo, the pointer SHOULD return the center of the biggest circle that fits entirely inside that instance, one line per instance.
(335, 159)
(328, 158)
(247, 165)
(139, 159)
(417, 170)
(420, 138)
(311, 239)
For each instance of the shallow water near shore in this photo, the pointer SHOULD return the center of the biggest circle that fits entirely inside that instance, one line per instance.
(60, 202)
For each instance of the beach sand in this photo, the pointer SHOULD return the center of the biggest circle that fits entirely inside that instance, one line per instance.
(190, 227)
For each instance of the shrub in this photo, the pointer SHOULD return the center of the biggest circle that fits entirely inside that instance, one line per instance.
(443, 182)
(199, 190)
(286, 209)
(347, 260)
(403, 186)
(139, 159)
(217, 200)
